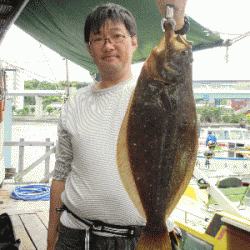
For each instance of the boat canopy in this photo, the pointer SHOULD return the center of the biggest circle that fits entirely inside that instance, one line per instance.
(59, 24)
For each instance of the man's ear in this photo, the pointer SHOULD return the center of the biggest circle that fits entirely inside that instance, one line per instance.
(134, 43)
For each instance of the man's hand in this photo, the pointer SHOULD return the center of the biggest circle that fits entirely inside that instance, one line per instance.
(179, 10)
(57, 187)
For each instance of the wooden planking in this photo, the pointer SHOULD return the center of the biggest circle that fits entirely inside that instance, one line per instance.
(25, 207)
(44, 217)
(36, 229)
(21, 233)
(29, 218)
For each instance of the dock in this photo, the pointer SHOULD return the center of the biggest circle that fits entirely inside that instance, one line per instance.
(29, 218)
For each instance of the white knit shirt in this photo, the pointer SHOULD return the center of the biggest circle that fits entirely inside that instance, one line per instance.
(86, 158)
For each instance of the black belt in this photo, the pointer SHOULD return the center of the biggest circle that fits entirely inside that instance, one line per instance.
(100, 226)
(125, 231)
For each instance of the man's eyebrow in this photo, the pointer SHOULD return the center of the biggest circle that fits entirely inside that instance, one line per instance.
(112, 29)
(116, 28)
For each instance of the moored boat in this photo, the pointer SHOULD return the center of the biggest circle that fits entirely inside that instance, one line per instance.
(220, 238)
(226, 226)
(230, 140)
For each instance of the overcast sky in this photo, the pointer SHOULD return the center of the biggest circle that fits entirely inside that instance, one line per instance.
(226, 16)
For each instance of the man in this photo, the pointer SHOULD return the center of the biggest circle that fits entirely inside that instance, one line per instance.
(211, 141)
(86, 178)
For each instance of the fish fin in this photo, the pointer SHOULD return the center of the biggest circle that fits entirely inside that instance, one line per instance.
(160, 242)
(123, 163)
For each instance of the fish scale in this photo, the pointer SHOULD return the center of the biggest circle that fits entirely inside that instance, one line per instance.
(158, 140)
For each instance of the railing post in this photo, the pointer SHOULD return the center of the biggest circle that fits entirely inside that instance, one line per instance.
(47, 160)
(21, 158)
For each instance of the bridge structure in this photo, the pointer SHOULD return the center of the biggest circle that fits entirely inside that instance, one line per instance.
(199, 93)
(39, 94)
(221, 89)
(214, 91)
(204, 93)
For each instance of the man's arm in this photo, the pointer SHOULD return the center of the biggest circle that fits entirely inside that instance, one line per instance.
(64, 157)
(179, 10)
(57, 188)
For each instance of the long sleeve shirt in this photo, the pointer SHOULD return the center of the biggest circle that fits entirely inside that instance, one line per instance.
(86, 158)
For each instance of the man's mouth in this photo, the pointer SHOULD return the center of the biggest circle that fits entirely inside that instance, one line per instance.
(108, 57)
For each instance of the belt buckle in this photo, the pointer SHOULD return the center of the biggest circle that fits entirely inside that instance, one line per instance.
(131, 231)
(61, 209)
(97, 228)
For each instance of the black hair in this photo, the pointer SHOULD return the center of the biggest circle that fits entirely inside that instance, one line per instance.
(114, 12)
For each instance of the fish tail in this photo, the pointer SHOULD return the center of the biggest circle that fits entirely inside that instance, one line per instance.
(154, 242)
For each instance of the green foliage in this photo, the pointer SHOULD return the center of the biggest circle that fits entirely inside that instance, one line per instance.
(77, 85)
(248, 118)
(23, 112)
(208, 113)
(32, 109)
(48, 100)
(31, 84)
(223, 102)
(13, 108)
(29, 100)
(226, 118)
(231, 117)
(217, 148)
(237, 118)
(50, 109)
(44, 85)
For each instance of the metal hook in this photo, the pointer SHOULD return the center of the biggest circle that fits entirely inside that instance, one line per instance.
(169, 16)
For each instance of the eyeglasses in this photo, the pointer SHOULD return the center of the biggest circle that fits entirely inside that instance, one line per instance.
(114, 39)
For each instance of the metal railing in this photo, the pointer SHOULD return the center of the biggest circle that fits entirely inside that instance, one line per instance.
(21, 172)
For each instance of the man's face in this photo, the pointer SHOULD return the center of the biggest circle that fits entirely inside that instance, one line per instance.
(112, 58)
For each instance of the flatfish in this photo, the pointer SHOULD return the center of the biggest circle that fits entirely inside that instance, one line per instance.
(157, 143)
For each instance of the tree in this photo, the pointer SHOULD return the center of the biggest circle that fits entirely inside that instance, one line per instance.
(226, 118)
(78, 85)
(29, 100)
(23, 112)
(31, 84)
(248, 118)
(48, 100)
(44, 85)
(206, 113)
(13, 108)
(210, 113)
(32, 110)
(217, 112)
(237, 118)
(50, 109)
(223, 102)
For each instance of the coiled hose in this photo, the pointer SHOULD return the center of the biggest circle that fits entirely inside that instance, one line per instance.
(31, 193)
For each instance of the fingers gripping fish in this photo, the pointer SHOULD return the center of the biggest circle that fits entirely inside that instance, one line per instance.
(157, 143)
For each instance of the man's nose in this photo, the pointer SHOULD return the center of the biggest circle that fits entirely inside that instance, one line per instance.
(108, 43)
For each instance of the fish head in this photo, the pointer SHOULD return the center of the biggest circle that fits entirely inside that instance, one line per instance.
(170, 61)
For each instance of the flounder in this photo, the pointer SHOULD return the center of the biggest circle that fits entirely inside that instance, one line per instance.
(157, 143)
